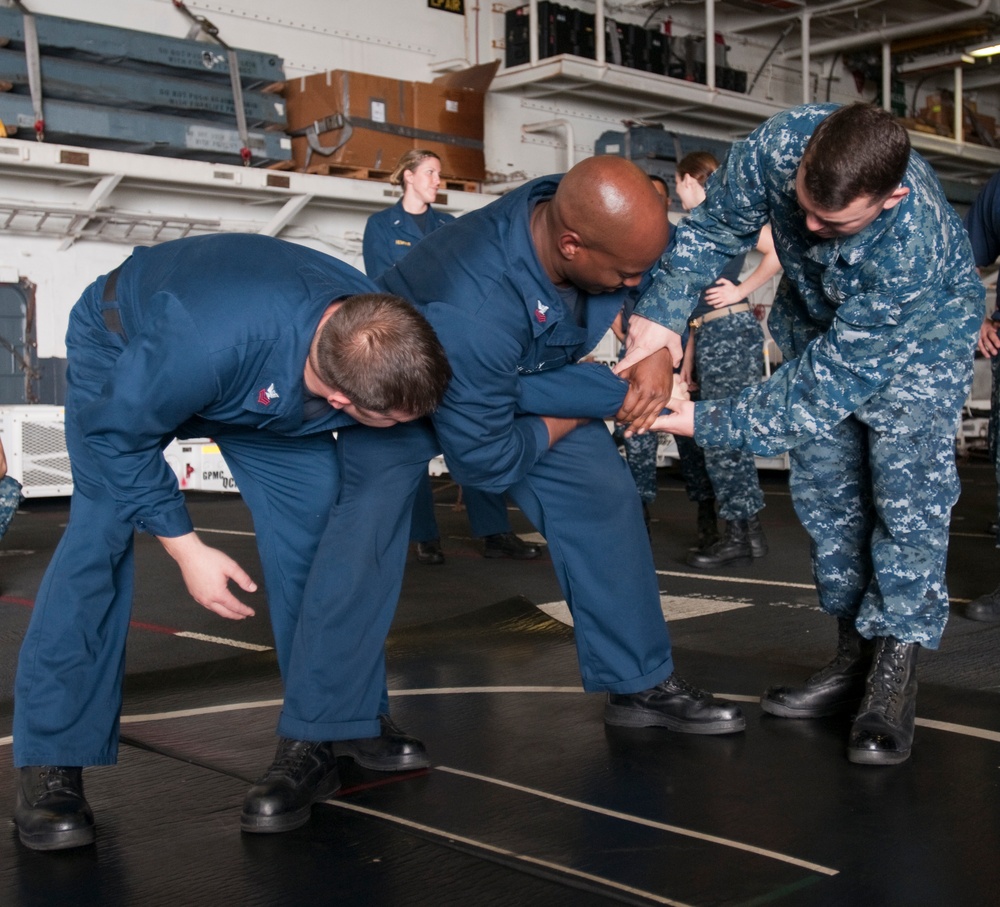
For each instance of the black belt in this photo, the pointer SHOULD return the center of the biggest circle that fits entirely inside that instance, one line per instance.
(112, 314)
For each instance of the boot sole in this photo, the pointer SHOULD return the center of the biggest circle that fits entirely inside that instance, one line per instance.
(742, 561)
(291, 820)
(58, 840)
(876, 757)
(398, 764)
(620, 716)
(783, 711)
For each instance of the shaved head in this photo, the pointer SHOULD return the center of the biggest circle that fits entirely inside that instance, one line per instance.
(604, 226)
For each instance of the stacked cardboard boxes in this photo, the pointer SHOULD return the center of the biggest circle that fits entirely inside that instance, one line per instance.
(341, 120)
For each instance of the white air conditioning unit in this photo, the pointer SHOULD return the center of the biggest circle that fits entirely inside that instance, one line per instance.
(34, 441)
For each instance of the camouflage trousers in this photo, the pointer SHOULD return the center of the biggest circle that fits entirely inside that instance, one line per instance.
(729, 356)
(875, 494)
(10, 500)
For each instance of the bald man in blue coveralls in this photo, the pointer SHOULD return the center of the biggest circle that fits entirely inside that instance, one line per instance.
(517, 292)
(267, 347)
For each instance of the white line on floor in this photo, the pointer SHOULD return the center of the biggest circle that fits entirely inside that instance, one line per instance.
(490, 848)
(235, 643)
(639, 820)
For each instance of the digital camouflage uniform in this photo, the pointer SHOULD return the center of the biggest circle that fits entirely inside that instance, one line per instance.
(729, 356)
(877, 331)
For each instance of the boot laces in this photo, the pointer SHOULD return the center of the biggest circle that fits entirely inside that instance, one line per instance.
(291, 757)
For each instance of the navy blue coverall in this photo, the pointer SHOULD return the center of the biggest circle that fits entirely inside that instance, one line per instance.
(199, 337)
(513, 346)
(389, 236)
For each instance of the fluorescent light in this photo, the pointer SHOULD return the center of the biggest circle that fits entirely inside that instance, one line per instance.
(938, 61)
(991, 50)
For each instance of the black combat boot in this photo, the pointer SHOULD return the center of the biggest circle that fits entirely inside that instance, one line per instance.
(50, 811)
(732, 550)
(303, 772)
(986, 607)
(836, 688)
(708, 528)
(392, 751)
(882, 733)
(756, 537)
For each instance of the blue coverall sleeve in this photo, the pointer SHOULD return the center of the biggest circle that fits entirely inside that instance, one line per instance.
(983, 223)
(162, 378)
(376, 248)
(485, 443)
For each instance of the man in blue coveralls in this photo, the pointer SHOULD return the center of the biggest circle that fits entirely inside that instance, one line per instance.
(876, 317)
(517, 292)
(267, 347)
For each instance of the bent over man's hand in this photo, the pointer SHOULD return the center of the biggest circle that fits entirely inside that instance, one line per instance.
(650, 382)
(207, 572)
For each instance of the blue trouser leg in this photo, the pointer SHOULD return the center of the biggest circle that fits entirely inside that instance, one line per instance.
(581, 497)
(69, 674)
(487, 512)
(423, 524)
(729, 353)
(335, 683)
(289, 484)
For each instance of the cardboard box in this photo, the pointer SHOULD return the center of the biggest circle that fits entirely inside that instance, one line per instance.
(372, 121)
(367, 120)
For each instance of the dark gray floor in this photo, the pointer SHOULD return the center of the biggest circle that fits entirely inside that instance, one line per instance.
(532, 800)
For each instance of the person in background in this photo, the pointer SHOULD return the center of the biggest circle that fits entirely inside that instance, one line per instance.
(876, 317)
(723, 355)
(389, 235)
(983, 225)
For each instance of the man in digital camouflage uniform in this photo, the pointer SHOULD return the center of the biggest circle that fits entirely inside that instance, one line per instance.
(876, 316)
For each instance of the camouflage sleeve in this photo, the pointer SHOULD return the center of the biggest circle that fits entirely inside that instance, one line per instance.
(725, 225)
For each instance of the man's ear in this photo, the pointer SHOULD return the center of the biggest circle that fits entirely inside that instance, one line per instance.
(895, 198)
(338, 399)
(569, 244)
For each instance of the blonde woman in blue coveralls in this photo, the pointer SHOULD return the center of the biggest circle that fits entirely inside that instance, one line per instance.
(389, 235)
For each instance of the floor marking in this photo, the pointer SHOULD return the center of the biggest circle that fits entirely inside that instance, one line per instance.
(736, 579)
(946, 726)
(235, 643)
(674, 607)
(225, 531)
(648, 823)
(510, 854)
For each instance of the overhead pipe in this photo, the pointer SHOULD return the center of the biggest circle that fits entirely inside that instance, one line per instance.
(882, 35)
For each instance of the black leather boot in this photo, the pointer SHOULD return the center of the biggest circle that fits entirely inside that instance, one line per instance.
(836, 688)
(509, 544)
(303, 772)
(51, 812)
(430, 552)
(756, 537)
(708, 527)
(676, 705)
(882, 733)
(732, 550)
(391, 751)
(986, 607)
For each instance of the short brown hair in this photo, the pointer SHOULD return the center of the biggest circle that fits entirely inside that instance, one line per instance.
(858, 151)
(383, 355)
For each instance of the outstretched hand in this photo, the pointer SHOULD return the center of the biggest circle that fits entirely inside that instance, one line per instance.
(207, 573)
(680, 419)
(645, 337)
